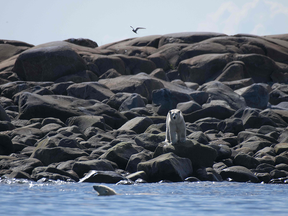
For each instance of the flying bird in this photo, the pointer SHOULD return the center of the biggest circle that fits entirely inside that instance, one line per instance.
(135, 30)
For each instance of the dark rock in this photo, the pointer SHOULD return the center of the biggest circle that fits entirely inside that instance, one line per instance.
(6, 146)
(57, 154)
(206, 124)
(141, 84)
(278, 173)
(89, 90)
(264, 167)
(233, 125)
(282, 158)
(3, 115)
(137, 158)
(137, 124)
(282, 166)
(86, 121)
(223, 151)
(239, 174)
(121, 153)
(48, 62)
(252, 118)
(263, 177)
(245, 160)
(83, 167)
(218, 91)
(199, 97)
(18, 175)
(238, 84)
(256, 95)
(160, 74)
(60, 88)
(166, 167)
(203, 68)
(83, 42)
(188, 107)
(187, 37)
(165, 100)
(96, 176)
(199, 154)
(133, 101)
(53, 174)
(149, 141)
(208, 174)
(199, 136)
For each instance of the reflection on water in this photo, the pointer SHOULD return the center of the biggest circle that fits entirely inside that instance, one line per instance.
(197, 198)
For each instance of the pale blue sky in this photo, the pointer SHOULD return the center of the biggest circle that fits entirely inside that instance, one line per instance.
(39, 21)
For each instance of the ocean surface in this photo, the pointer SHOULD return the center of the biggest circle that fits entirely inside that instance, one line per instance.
(19, 197)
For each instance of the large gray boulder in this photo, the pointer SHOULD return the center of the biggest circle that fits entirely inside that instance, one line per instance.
(89, 90)
(48, 62)
(199, 154)
(166, 167)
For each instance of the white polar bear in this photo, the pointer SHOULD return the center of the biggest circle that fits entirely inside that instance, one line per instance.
(175, 127)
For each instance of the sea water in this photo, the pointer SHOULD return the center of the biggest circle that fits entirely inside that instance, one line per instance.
(197, 198)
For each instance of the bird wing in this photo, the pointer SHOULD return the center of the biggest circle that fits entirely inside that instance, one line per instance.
(140, 28)
(131, 27)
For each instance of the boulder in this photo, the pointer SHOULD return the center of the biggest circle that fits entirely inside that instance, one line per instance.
(137, 124)
(231, 125)
(242, 159)
(6, 146)
(3, 115)
(83, 167)
(252, 118)
(239, 174)
(187, 37)
(166, 167)
(203, 68)
(135, 65)
(165, 100)
(121, 153)
(199, 154)
(89, 90)
(188, 107)
(218, 91)
(256, 95)
(48, 62)
(149, 141)
(57, 154)
(133, 101)
(53, 174)
(105, 63)
(137, 158)
(141, 84)
(85, 121)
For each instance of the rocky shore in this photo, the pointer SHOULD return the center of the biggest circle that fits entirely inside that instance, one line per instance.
(73, 111)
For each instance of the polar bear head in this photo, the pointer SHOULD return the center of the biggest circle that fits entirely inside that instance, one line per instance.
(175, 115)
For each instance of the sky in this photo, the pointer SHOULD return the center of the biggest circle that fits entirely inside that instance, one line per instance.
(106, 21)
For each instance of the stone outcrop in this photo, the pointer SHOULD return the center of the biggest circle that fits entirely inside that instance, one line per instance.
(75, 111)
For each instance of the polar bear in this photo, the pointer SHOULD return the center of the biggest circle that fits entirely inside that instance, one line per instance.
(175, 127)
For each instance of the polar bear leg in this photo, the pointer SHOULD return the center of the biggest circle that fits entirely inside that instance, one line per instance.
(182, 135)
(182, 132)
(168, 138)
(173, 133)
